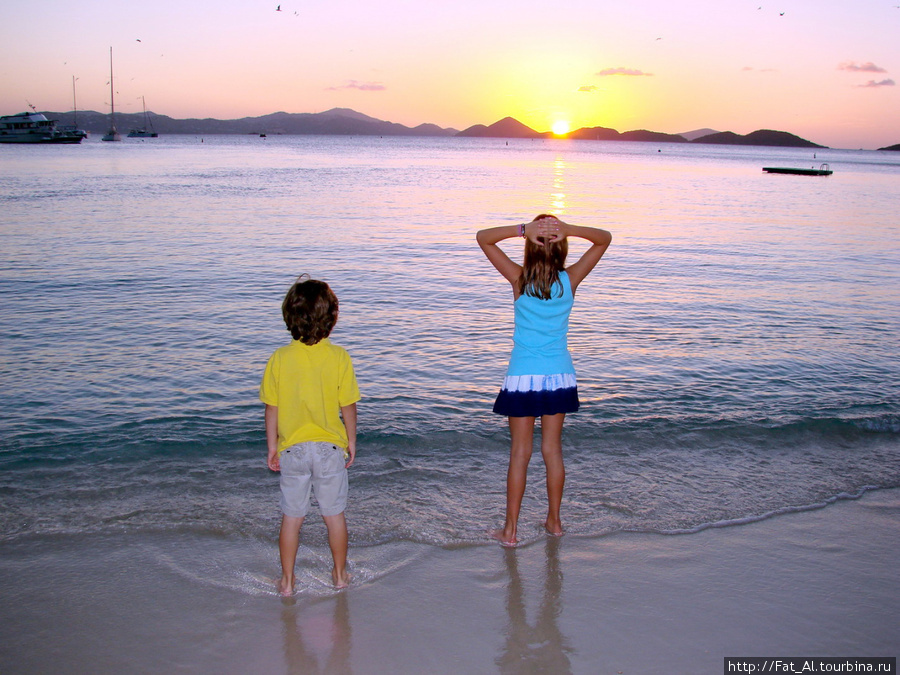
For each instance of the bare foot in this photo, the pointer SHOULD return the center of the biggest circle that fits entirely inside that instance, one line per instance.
(554, 529)
(505, 541)
(286, 587)
(340, 580)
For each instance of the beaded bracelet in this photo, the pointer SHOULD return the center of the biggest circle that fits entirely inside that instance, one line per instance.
(522, 230)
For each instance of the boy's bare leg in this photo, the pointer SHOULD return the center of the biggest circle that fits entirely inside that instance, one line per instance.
(551, 449)
(337, 540)
(521, 431)
(288, 541)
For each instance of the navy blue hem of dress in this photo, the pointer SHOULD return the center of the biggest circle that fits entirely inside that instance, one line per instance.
(536, 403)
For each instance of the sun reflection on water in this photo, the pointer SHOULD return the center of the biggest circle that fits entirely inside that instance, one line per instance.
(558, 195)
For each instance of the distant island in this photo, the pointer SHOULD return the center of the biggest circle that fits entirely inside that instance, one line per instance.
(509, 127)
(512, 128)
(334, 122)
(895, 148)
(346, 122)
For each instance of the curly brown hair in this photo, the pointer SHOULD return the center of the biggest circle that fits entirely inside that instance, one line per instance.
(542, 265)
(310, 310)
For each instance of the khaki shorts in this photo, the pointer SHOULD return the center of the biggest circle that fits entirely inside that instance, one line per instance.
(313, 467)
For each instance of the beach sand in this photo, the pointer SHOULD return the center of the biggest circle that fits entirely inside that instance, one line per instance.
(822, 582)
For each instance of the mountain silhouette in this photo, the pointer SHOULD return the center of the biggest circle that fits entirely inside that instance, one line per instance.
(347, 122)
(334, 122)
(760, 137)
(508, 127)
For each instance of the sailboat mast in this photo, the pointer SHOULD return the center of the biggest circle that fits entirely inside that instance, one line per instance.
(112, 95)
(74, 104)
(147, 119)
(112, 134)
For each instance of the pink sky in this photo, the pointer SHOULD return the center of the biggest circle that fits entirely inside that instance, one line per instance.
(825, 70)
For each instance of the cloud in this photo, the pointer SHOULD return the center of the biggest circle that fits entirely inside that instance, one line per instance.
(588, 87)
(873, 83)
(631, 72)
(361, 86)
(861, 67)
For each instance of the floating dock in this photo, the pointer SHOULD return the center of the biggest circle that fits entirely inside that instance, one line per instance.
(823, 170)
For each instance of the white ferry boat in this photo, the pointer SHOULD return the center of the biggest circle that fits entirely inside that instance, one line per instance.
(34, 127)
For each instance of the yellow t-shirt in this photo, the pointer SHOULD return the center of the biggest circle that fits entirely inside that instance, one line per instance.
(309, 384)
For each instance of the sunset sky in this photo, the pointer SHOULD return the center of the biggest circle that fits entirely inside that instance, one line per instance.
(826, 70)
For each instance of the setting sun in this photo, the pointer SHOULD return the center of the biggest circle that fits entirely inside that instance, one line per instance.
(560, 128)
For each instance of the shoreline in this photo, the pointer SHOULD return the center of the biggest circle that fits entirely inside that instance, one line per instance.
(817, 582)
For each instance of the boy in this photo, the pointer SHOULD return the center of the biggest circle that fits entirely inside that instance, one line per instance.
(305, 385)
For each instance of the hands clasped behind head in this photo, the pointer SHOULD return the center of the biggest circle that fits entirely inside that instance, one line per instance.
(547, 231)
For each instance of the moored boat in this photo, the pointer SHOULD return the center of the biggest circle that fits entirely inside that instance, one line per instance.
(73, 128)
(145, 132)
(112, 134)
(34, 127)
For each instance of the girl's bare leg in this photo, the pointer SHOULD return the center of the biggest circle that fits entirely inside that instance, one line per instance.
(337, 540)
(288, 541)
(521, 430)
(551, 450)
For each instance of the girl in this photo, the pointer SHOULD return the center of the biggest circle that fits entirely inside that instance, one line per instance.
(540, 380)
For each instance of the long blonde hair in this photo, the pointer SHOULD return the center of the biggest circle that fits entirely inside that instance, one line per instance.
(542, 265)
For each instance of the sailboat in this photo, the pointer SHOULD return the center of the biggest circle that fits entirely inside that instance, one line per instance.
(72, 130)
(144, 133)
(112, 134)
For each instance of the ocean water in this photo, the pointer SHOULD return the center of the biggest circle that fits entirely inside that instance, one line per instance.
(737, 348)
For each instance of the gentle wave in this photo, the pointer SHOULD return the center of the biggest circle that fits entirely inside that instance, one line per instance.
(773, 514)
(447, 489)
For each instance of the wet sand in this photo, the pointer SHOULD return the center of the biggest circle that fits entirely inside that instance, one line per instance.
(815, 583)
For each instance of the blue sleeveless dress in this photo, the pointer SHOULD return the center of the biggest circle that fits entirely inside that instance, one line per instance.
(540, 379)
